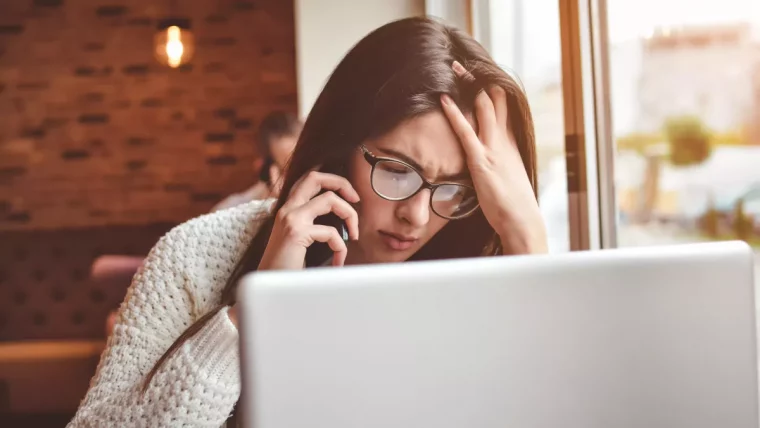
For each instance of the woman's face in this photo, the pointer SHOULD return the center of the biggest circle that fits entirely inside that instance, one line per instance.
(392, 231)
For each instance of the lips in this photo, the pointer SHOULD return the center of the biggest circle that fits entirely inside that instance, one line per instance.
(398, 242)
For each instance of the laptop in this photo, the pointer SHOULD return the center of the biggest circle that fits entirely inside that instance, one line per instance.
(639, 337)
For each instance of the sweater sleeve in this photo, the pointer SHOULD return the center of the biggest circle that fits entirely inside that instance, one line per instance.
(180, 281)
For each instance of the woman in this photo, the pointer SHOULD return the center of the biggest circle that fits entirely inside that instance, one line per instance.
(419, 142)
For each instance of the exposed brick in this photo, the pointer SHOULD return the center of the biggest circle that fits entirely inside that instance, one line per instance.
(140, 141)
(92, 97)
(89, 71)
(136, 165)
(12, 172)
(19, 217)
(224, 41)
(140, 21)
(48, 3)
(11, 29)
(220, 137)
(54, 122)
(151, 102)
(111, 11)
(93, 119)
(75, 155)
(90, 115)
(214, 67)
(177, 187)
(136, 69)
(217, 19)
(242, 5)
(222, 160)
(225, 113)
(38, 132)
(85, 71)
(206, 197)
(93, 47)
(32, 86)
(242, 124)
(287, 98)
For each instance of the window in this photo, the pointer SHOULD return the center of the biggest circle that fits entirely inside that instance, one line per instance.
(684, 85)
(679, 121)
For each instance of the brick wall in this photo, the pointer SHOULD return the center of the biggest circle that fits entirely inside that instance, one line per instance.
(94, 132)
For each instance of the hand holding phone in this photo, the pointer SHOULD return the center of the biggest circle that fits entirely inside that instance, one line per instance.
(318, 211)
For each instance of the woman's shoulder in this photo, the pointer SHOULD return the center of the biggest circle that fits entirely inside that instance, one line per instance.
(193, 260)
(219, 237)
(230, 224)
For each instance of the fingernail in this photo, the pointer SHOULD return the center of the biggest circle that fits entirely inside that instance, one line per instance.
(458, 68)
(446, 99)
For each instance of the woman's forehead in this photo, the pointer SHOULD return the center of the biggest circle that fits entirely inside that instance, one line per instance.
(428, 140)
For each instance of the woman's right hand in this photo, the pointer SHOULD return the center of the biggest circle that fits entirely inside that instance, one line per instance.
(294, 230)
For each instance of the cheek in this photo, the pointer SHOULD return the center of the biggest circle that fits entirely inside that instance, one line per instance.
(369, 205)
(280, 154)
(435, 225)
(373, 210)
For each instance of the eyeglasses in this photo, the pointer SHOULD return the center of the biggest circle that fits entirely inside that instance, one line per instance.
(395, 180)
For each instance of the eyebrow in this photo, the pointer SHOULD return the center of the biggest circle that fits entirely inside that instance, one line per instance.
(459, 176)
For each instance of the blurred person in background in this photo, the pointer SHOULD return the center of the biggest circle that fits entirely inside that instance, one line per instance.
(276, 139)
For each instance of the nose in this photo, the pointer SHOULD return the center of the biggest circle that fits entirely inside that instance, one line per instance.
(415, 210)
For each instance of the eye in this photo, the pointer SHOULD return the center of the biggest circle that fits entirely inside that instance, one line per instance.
(448, 192)
(394, 168)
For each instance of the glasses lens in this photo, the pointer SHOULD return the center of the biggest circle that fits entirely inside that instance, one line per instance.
(453, 200)
(394, 180)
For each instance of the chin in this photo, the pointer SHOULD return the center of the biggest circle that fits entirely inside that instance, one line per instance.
(392, 257)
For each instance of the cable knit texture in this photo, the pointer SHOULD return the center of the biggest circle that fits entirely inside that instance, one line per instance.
(181, 280)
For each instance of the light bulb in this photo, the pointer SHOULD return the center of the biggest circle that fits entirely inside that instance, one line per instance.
(173, 44)
(174, 47)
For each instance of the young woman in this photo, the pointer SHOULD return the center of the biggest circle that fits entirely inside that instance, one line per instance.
(419, 142)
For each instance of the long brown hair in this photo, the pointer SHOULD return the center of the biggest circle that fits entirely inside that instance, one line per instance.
(395, 73)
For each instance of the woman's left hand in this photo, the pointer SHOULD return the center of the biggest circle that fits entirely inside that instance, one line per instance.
(504, 190)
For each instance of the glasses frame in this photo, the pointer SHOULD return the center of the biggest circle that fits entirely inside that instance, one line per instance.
(373, 160)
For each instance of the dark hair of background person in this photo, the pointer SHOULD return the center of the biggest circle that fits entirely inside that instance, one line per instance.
(276, 124)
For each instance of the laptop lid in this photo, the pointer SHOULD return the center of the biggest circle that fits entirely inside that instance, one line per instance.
(640, 337)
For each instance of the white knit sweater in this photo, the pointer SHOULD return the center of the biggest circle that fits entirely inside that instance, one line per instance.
(181, 280)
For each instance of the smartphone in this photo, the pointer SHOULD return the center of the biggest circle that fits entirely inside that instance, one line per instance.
(319, 252)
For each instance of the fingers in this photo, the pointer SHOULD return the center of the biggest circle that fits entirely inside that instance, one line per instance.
(329, 202)
(314, 182)
(484, 112)
(490, 106)
(499, 98)
(332, 238)
(461, 127)
(462, 72)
